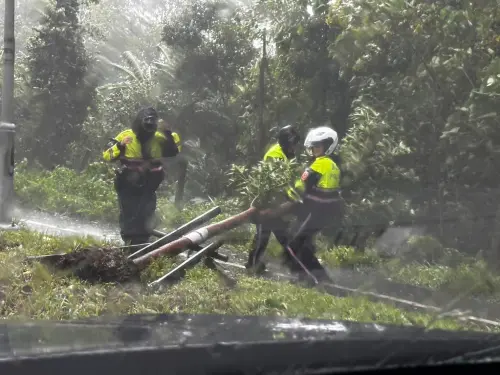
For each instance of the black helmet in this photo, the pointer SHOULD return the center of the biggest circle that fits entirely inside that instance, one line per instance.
(288, 136)
(146, 121)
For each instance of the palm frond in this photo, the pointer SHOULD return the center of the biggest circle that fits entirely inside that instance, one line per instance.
(133, 63)
(119, 67)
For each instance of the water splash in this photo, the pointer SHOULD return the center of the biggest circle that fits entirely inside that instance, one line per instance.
(60, 225)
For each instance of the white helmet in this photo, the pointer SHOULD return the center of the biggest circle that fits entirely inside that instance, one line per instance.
(322, 135)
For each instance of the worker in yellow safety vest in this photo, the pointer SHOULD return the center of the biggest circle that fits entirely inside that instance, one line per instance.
(284, 149)
(139, 151)
(318, 191)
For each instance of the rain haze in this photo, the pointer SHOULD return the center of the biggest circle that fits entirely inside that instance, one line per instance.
(279, 158)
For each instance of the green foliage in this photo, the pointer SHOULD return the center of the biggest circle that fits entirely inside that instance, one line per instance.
(264, 184)
(60, 89)
(426, 67)
(369, 152)
(411, 87)
(426, 262)
(89, 194)
(465, 280)
(31, 291)
(427, 249)
(379, 186)
(474, 279)
(348, 257)
(213, 44)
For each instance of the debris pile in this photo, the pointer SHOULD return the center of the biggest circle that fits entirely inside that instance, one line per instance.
(99, 265)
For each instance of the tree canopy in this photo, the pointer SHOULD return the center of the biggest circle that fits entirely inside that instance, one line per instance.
(412, 88)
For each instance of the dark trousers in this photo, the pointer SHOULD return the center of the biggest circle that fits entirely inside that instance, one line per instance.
(277, 227)
(311, 218)
(137, 211)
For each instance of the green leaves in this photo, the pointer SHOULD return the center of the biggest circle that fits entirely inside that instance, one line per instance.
(60, 91)
(264, 184)
(411, 87)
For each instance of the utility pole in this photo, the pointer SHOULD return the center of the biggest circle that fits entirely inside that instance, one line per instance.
(7, 127)
(262, 130)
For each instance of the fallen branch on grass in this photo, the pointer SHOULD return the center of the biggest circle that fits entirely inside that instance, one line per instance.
(112, 265)
(97, 265)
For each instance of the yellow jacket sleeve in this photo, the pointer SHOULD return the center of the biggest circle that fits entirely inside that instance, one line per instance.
(177, 140)
(113, 148)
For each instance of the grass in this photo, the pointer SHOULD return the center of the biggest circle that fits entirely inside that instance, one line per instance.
(445, 270)
(348, 257)
(30, 291)
(90, 194)
(475, 278)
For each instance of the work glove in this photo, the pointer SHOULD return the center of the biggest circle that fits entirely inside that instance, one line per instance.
(168, 134)
(293, 195)
(170, 142)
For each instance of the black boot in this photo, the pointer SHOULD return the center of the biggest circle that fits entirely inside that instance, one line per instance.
(256, 269)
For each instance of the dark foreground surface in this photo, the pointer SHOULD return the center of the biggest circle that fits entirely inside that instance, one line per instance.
(226, 344)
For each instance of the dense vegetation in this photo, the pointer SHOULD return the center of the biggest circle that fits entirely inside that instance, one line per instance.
(423, 261)
(410, 86)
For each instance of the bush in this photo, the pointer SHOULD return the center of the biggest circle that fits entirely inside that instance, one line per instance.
(349, 257)
(264, 184)
(472, 279)
(89, 193)
(424, 249)
(427, 249)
